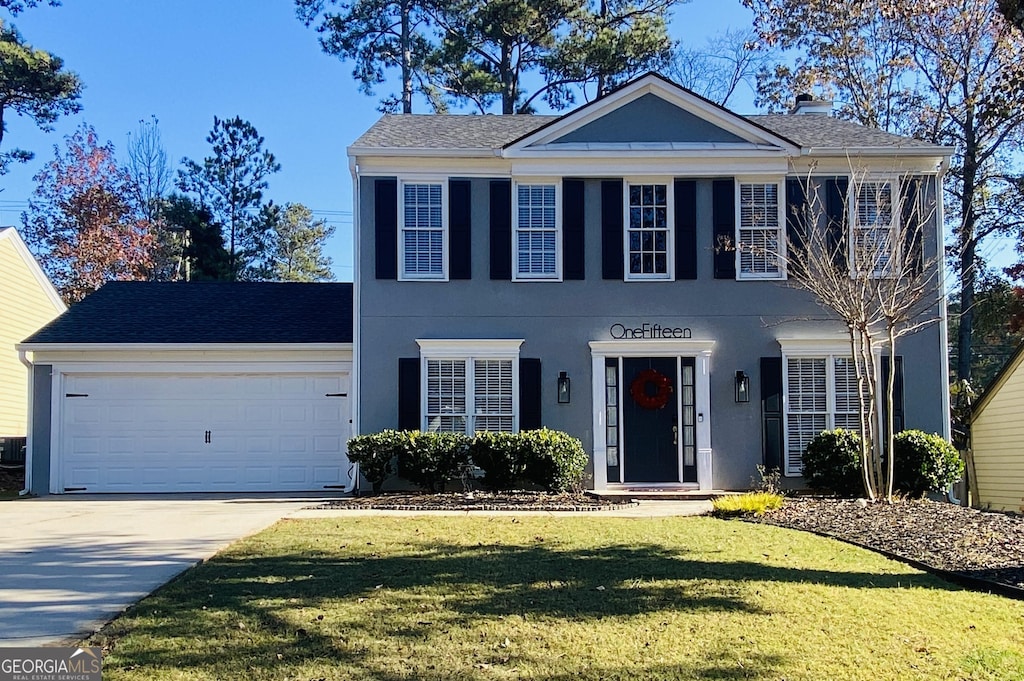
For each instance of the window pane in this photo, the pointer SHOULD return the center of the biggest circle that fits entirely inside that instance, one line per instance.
(759, 229)
(492, 394)
(873, 226)
(423, 229)
(648, 229)
(536, 231)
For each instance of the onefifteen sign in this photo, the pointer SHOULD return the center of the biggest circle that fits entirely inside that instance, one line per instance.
(648, 331)
(50, 664)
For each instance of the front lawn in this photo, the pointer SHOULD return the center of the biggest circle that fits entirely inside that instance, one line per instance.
(562, 598)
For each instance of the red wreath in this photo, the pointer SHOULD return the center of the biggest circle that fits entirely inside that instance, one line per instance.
(662, 389)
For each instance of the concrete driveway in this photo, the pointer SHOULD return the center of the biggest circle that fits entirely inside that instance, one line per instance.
(70, 564)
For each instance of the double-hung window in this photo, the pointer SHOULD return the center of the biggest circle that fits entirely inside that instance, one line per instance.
(423, 223)
(537, 232)
(760, 234)
(648, 238)
(469, 386)
(874, 223)
(820, 394)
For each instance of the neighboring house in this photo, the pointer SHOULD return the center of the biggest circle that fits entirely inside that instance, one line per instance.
(997, 439)
(27, 302)
(522, 271)
(194, 387)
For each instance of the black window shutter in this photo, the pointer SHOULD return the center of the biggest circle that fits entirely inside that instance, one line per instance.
(838, 223)
(796, 224)
(771, 412)
(573, 231)
(897, 392)
(686, 229)
(460, 208)
(501, 229)
(385, 225)
(611, 229)
(530, 394)
(723, 206)
(911, 224)
(409, 393)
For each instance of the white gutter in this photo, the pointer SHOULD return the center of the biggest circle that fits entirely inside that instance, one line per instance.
(23, 358)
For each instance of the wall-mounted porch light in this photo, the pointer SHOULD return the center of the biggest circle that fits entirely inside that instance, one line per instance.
(742, 387)
(563, 387)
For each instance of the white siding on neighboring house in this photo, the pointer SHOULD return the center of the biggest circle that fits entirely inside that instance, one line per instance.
(27, 303)
(997, 438)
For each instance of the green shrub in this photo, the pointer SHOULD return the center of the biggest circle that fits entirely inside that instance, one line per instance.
(751, 503)
(432, 459)
(553, 460)
(500, 456)
(831, 462)
(376, 454)
(924, 463)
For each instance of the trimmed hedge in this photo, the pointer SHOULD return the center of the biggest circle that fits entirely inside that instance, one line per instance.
(376, 454)
(924, 463)
(831, 462)
(549, 459)
(433, 459)
(554, 460)
(500, 457)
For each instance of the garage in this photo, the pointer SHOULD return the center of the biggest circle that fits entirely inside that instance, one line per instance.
(150, 387)
(204, 433)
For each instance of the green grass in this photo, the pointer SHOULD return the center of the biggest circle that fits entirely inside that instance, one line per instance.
(751, 503)
(560, 598)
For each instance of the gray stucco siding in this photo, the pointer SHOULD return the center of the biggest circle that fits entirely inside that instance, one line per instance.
(662, 121)
(558, 320)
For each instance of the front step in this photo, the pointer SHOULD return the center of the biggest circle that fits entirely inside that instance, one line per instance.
(649, 494)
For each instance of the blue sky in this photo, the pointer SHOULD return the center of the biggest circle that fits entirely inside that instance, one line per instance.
(188, 60)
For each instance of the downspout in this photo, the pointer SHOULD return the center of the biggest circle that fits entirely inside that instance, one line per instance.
(940, 263)
(354, 430)
(23, 358)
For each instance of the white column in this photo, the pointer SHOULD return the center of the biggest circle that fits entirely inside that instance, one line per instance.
(600, 444)
(705, 472)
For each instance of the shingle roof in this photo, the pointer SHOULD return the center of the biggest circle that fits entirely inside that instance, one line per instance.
(206, 312)
(818, 130)
(491, 132)
(449, 131)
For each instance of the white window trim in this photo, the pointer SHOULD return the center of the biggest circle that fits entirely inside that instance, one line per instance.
(415, 276)
(670, 223)
(779, 182)
(896, 190)
(516, 275)
(469, 350)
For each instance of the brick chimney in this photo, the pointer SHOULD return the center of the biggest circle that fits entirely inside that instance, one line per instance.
(807, 104)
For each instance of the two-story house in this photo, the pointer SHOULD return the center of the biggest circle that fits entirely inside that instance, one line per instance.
(573, 272)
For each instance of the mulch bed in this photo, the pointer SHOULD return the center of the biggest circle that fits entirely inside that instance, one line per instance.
(473, 501)
(962, 541)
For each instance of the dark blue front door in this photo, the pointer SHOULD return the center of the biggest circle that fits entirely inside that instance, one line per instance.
(650, 413)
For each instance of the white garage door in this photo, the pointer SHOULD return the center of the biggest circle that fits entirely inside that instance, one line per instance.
(204, 433)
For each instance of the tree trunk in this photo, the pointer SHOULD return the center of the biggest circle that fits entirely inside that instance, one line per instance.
(968, 249)
(890, 417)
(406, 59)
(508, 95)
(865, 452)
